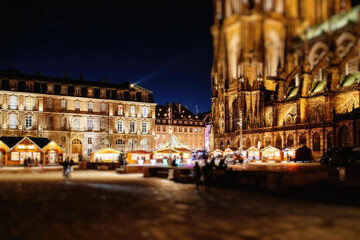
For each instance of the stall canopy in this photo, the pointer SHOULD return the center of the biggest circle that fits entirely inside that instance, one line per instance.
(297, 153)
(229, 151)
(105, 155)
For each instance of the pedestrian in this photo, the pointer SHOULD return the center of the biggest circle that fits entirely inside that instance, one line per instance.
(71, 164)
(222, 164)
(207, 175)
(173, 163)
(212, 163)
(29, 162)
(65, 167)
(197, 175)
(41, 165)
(25, 162)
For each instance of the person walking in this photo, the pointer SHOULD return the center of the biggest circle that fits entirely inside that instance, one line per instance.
(41, 165)
(66, 167)
(71, 164)
(197, 175)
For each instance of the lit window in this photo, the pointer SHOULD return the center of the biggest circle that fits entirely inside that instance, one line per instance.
(120, 126)
(144, 127)
(120, 109)
(77, 105)
(89, 151)
(63, 104)
(132, 111)
(13, 102)
(90, 124)
(103, 107)
(103, 93)
(89, 140)
(76, 123)
(132, 127)
(50, 88)
(145, 111)
(12, 121)
(195, 130)
(90, 92)
(28, 122)
(90, 106)
(63, 122)
(29, 103)
(50, 103)
(77, 91)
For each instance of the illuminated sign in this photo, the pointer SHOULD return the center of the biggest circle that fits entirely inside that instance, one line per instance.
(26, 147)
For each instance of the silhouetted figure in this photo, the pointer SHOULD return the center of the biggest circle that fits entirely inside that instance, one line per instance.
(71, 164)
(197, 175)
(207, 173)
(222, 164)
(66, 167)
(212, 163)
(173, 163)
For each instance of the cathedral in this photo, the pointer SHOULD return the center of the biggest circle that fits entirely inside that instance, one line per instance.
(285, 72)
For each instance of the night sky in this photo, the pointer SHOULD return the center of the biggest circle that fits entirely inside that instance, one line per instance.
(163, 45)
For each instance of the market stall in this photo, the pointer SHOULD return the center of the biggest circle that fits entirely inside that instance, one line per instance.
(253, 153)
(297, 153)
(138, 157)
(105, 155)
(15, 150)
(217, 153)
(271, 153)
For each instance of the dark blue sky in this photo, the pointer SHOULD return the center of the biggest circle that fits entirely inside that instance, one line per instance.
(165, 45)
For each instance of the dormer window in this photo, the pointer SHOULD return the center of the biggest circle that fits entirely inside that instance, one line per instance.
(29, 86)
(144, 97)
(50, 88)
(90, 92)
(77, 91)
(13, 84)
(63, 90)
(132, 95)
(120, 95)
(103, 93)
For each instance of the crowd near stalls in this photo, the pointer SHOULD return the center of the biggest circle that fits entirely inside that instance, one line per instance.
(17, 151)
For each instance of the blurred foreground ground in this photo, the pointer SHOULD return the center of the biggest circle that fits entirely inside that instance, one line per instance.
(106, 205)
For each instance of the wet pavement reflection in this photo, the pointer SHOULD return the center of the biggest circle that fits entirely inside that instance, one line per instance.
(106, 205)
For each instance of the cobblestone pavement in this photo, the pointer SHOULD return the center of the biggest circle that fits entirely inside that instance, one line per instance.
(104, 205)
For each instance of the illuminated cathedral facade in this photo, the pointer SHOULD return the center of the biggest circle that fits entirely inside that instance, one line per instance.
(285, 72)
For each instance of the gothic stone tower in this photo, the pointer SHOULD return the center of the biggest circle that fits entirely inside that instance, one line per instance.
(254, 42)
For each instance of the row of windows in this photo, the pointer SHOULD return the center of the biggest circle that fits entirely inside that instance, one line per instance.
(185, 138)
(178, 129)
(29, 105)
(144, 127)
(14, 121)
(178, 122)
(29, 87)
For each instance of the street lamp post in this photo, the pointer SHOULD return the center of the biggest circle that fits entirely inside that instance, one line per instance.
(240, 134)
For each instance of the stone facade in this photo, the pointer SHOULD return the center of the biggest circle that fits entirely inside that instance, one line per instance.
(81, 116)
(289, 69)
(177, 119)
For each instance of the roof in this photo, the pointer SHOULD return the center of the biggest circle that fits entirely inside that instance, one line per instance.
(178, 112)
(350, 79)
(252, 148)
(140, 152)
(269, 148)
(107, 150)
(41, 81)
(296, 147)
(40, 142)
(11, 141)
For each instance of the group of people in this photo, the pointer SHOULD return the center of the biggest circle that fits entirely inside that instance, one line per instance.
(205, 173)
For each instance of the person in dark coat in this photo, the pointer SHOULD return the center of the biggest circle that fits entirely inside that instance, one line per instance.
(197, 175)
(212, 163)
(222, 164)
(173, 163)
(66, 164)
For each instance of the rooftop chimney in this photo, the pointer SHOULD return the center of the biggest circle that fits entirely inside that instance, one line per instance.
(81, 76)
(179, 107)
(65, 74)
(106, 79)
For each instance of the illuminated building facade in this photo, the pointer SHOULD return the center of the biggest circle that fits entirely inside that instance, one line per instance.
(177, 119)
(289, 70)
(81, 116)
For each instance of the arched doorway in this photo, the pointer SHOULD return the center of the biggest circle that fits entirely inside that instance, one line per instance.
(76, 146)
(316, 142)
(344, 137)
(278, 142)
(290, 140)
(302, 139)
